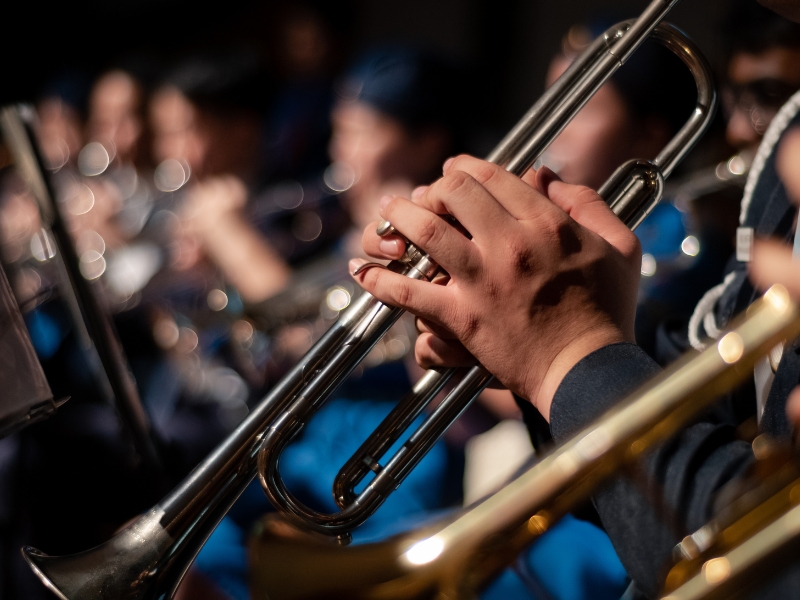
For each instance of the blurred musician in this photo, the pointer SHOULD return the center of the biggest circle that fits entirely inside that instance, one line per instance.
(82, 448)
(566, 342)
(763, 71)
(392, 126)
(113, 163)
(206, 123)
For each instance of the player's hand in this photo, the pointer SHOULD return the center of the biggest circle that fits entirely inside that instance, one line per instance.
(549, 276)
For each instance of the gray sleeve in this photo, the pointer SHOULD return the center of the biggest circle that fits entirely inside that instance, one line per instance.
(683, 475)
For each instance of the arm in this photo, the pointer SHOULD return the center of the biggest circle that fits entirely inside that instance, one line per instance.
(687, 472)
(243, 256)
(555, 331)
(682, 477)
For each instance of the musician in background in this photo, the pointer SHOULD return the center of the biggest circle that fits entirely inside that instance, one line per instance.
(763, 71)
(206, 121)
(114, 165)
(565, 341)
(392, 127)
(81, 448)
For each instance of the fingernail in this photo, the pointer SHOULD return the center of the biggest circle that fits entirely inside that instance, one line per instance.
(418, 191)
(354, 264)
(548, 172)
(385, 200)
(393, 248)
(447, 163)
(545, 176)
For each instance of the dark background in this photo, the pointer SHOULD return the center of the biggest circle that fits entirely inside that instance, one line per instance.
(505, 44)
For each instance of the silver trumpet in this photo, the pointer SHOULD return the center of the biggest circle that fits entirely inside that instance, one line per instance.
(632, 192)
(150, 557)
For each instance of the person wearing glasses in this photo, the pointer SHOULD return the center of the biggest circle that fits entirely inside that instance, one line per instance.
(763, 71)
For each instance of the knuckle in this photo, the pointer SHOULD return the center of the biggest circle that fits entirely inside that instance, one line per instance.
(559, 236)
(469, 325)
(483, 172)
(553, 225)
(391, 209)
(586, 195)
(430, 232)
(455, 181)
(422, 352)
(369, 280)
(402, 293)
(635, 244)
(522, 256)
(632, 249)
(460, 163)
(583, 198)
(494, 289)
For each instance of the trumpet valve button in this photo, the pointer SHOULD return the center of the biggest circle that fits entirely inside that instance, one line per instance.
(385, 228)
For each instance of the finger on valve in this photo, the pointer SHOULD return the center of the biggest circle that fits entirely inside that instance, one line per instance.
(432, 351)
(387, 247)
(433, 234)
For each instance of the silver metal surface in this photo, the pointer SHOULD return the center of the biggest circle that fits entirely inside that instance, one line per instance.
(632, 192)
(195, 507)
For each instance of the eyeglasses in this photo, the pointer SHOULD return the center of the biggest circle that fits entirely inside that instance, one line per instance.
(760, 100)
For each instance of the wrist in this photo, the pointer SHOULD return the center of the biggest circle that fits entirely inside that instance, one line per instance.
(570, 355)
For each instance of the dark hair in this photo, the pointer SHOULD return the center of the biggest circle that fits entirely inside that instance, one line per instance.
(751, 28)
(222, 83)
(415, 87)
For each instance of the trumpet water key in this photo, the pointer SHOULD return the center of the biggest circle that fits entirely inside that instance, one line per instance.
(150, 557)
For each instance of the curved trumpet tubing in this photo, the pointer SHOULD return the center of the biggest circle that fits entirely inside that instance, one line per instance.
(149, 558)
(632, 192)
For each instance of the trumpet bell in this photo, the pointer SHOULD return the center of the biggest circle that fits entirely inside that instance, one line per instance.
(312, 566)
(148, 559)
(129, 566)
